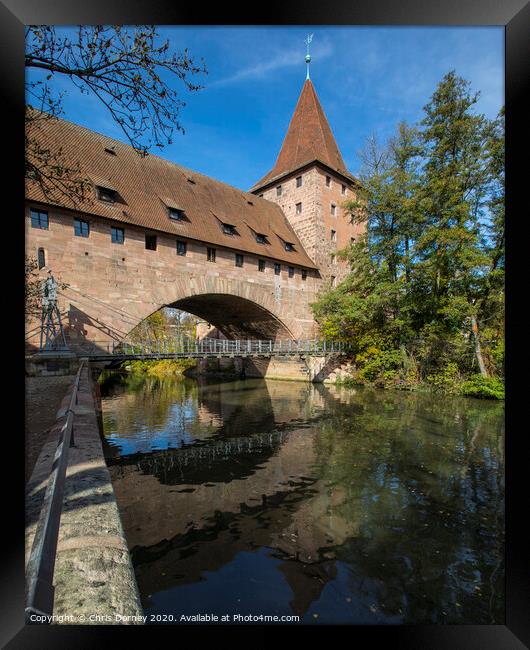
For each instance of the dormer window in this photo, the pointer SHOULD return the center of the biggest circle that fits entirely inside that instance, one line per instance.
(229, 229)
(261, 238)
(176, 214)
(106, 194)
(289, 247)
(110, 150)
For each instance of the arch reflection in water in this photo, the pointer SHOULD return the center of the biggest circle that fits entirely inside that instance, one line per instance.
(285, 497)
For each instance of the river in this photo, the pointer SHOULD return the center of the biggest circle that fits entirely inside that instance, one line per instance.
(335, 505)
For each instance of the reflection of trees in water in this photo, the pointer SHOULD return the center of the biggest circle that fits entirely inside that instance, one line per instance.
(406, 490)
(425, 480)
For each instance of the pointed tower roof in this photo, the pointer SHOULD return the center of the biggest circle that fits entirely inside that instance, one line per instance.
(308, 138)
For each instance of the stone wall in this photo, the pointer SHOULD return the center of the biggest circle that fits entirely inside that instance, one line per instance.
(314, 223)
(112, 287)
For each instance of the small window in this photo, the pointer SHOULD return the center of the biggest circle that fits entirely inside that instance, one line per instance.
(333, 259)
(298, 181)
(39, 219)
(239, 259)
(106, 194)
(298, 208)
(328, 181)
(229, 229)
(181, 247)
(210, 254)
(304, 274)
(277, 268)
(117, 235)
(333, 209)
(81, 228)
(333, 281)
(41, 256)
(333, 235)
(261, 196)
(343, 189)
(289, 247)
(261, 265)
(291, 271)
(175, 214)
(110, 150)
(150, 242)
(279, 190)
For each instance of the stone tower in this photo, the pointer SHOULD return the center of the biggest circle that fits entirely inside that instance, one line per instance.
(310, 182)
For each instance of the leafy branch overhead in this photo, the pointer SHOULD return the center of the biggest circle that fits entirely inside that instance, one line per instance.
(130, 70)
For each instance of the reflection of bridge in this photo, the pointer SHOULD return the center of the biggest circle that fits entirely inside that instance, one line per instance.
(217, 348)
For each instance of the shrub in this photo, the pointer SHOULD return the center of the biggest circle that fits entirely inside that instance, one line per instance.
(484, 387)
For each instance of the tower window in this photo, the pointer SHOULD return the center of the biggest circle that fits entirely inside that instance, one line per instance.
(39, 219)
(333, 209)
(261, 265)
(298, 181)
(239, 259)
(181, 247)
(277, 268)
(150, 242)
(328, 181)
(333, 235)
(279, 190)
(41, 256)
(333, 281)
(333, 259)
(291, 271)
(304, 274)
(81, 228)
(343, 189)
(210, 254)
(298, 208)
(117, 235)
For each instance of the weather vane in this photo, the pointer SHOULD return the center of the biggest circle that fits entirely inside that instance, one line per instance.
(307, 41)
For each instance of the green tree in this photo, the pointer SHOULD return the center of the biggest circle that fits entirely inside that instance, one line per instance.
(424, 299)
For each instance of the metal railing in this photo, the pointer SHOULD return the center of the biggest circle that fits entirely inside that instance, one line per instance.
(41, 564)
(222, 347)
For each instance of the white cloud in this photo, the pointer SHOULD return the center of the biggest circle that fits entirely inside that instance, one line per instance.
(280, 60)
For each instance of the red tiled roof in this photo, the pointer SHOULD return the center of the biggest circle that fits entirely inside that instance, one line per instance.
(149, 185)
(308, 138)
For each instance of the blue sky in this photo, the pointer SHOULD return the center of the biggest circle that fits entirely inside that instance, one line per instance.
(367, 78)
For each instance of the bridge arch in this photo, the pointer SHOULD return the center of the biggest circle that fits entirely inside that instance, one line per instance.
(239, 308)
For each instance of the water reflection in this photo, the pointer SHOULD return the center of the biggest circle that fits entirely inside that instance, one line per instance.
(283, 497)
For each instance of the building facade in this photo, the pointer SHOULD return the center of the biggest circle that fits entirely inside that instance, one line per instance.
(150, 233)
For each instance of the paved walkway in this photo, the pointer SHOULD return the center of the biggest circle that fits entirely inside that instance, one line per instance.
(43, 399)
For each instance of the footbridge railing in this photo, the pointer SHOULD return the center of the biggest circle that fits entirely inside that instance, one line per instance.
(210, 347)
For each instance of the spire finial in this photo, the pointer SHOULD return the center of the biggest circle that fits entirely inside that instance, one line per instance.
(307, 41)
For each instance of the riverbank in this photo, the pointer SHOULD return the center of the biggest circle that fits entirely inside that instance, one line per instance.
(93, 575)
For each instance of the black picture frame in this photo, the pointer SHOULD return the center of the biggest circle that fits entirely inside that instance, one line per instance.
(515, 16)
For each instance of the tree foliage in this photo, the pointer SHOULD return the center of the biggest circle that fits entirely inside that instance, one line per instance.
(424, 299)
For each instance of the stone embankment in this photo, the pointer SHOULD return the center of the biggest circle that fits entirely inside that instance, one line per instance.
(94, 579)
